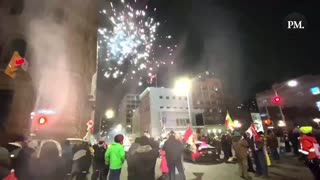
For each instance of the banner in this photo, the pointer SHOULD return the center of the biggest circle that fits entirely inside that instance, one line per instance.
(257, 121)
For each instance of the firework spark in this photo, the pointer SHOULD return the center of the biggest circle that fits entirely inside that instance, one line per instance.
(130, 45)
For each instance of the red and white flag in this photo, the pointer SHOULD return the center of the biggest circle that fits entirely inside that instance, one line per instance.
(187, 134)
(253, 132)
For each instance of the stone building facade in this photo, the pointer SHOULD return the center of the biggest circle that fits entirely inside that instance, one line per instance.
(58, 39)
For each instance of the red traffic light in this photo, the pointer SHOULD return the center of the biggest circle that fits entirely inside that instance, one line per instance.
(20, 62)
(277, 99)
(42, 120)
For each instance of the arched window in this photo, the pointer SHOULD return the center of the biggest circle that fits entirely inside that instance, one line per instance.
(19, 45)
(16, 7)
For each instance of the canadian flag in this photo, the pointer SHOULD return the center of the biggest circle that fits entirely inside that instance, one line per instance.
(188, 135)
(253, 132)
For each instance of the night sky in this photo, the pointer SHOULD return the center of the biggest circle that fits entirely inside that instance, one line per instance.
(244, 42)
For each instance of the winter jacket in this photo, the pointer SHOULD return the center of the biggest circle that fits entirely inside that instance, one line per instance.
(174, 150)
(98, 159)
(163, 164)
(146, 157)
(241, 148)
(115, 156)
(5, 174)
(272, 142)
(309, 147)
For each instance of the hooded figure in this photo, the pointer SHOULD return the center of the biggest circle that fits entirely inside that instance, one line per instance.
(146, 157)
(49, 164)
(131, 159)
(5, 172)
(115, 157)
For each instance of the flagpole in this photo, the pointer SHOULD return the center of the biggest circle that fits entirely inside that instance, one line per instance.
(156, 81)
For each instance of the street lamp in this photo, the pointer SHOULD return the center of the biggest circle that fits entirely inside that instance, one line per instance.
(237, 124)
(109, 114)
(281, 124)
(317, 120)
(183, 86)
(291, 83)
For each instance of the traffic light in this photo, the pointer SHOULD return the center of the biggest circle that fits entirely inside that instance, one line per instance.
(42, 120)
(267, 122)
(15, 61)
(277, 99)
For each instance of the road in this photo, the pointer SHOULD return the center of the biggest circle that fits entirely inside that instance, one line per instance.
(289, 168)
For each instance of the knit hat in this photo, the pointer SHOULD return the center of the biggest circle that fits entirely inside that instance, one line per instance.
(4, 157)
(118, 138)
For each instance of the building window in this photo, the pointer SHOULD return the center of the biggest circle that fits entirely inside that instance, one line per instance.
(167, 97)
(185, 98)
(160, 97)
(179, 98)
(174, 107)
(161, 107)
(16, 7)
(210, 110)
(198, 102)
(59, 15)
(187, 108)
(181, 107)
(168, 107)
(173, 97)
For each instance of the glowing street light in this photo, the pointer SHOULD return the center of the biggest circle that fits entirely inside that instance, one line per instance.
(109, 114)
(182, 86)
(281, 124)
(237, 124)
(292, 83)
(317, 120)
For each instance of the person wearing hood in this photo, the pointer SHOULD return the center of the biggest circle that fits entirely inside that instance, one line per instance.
(311, 150)
(146, 157)
(131, 159)
(22, 169)
(49, 165)
(5, 171)
(115, 157)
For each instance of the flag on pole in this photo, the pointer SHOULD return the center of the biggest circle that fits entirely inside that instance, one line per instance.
(229, 122)
(253, 132)
(187, 134)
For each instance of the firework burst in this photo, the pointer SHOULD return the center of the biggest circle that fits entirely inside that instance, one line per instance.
(130, 46)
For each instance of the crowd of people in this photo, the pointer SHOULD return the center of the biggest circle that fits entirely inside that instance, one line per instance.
(50, 160)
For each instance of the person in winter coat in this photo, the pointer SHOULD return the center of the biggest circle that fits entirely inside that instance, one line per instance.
(164, 165)
(22, 169)
(174, 150)
(261, 162)
(249, 138)
(146, 156)
(99, 168)
(272, 144)
(67, 156)
(81, 162)
(241, 148)
(5, 171)
(115, 157)
(131, 159)
(49, 165)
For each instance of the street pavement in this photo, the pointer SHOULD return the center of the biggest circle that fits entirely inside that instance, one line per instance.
(288, 168)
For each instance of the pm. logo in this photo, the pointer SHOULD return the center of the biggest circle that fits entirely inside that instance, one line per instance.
(295, 22)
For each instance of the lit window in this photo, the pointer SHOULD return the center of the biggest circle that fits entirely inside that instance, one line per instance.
(318, 105)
